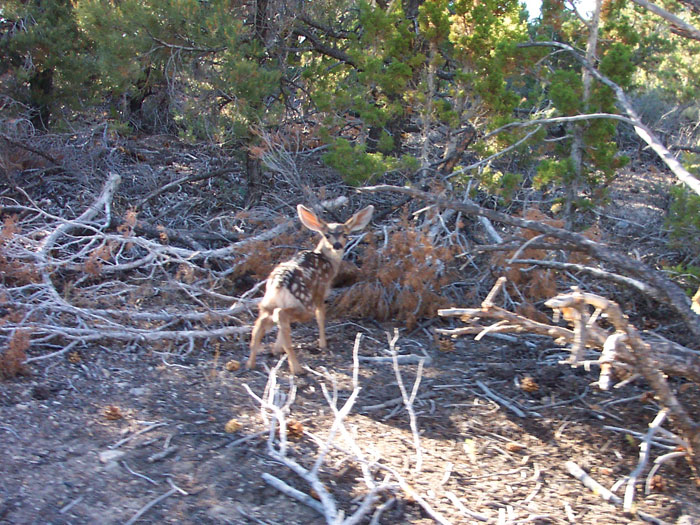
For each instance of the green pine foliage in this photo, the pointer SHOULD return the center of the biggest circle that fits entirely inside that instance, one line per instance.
(665, 62)
(45, 61)
(358, 167)
(195, 61)
(386, 84)
(373, 81)
(563, 87)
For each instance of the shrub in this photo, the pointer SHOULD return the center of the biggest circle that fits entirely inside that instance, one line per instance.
(404, 277)
(359, 167)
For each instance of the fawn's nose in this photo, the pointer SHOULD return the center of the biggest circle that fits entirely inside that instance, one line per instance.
(337, 245)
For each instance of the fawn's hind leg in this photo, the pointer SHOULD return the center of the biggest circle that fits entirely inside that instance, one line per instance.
(262, 325)
(321, 321)
(278, 347)
(284, 320)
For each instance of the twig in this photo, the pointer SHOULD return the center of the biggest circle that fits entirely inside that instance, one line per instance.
(393, 402)
(71, 504)
(293, 493)
(598, 489)
(643, 458)
(400, 359)
(135, 434)
(12, 431)
(163, 454)
(150, 505)
(500, 400)
(658, 462)
(464, 510)
(408, 401)
(124, 464)
(380, 510)
(588, 482)
(171, 186)
(498, 285)
(245, 439)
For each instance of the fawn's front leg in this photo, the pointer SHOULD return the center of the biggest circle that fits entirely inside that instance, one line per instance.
(262, 325)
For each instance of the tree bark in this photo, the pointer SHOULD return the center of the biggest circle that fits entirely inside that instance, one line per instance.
(678, 25)
(41, 91)
(253, 169)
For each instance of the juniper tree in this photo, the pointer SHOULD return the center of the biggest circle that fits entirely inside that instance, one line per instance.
(44, 59)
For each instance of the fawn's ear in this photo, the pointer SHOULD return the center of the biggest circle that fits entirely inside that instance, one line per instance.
(309, 219)
(360, 219)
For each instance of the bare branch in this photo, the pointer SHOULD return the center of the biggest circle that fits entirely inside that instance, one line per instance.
(678, 25)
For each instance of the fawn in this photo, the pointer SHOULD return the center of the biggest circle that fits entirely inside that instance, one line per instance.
(299, 287)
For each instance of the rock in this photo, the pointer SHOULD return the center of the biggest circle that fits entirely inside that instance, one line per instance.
(109, 456)
(139, 391)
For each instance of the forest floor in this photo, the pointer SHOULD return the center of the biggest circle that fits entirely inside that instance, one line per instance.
(116, 432)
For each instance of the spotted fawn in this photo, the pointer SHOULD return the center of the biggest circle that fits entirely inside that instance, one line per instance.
(298, 288)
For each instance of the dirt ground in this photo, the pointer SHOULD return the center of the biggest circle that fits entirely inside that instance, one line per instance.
(84, 442)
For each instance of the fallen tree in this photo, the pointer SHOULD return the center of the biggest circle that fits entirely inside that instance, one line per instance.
(649, 356)
(69, 282)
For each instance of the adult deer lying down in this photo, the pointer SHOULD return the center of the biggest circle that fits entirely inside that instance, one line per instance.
(298, 288)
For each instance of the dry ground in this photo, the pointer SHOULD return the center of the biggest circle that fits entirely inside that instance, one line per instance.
(57, 437)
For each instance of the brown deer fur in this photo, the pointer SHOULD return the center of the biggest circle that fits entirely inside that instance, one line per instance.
(297, 289)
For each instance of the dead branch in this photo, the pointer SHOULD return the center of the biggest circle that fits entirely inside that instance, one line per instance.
(678, 25)
(640, 355)
(643, 459)
(150, 505)
(588, 482)
(595, 487)
(174, 185)
(377, 477)
(408, 400)
(500, 400)
(595, 272)
(77, 281)
(621, 344)
(659, 287)
(274, 409)
(30, 149)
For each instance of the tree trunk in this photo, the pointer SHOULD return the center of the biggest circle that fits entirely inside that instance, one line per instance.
(253, 169)
(261, 26)
(41, 91)
(577, 145)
